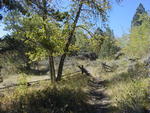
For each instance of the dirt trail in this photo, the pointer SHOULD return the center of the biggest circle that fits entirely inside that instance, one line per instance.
(99, 100)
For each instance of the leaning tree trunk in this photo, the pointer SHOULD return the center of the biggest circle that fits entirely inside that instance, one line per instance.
(52, 68)
(66, 49)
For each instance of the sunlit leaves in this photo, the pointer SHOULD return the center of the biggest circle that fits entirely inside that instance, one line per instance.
(81, 41)
(139, 42)
(96, 43)
(45, 34)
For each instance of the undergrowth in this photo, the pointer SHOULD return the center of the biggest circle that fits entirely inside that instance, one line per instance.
(129, 90)
(67, 96)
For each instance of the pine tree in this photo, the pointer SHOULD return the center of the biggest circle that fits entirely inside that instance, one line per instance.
(136, 18)
(12, 5)
(108, 47)
(99, 31)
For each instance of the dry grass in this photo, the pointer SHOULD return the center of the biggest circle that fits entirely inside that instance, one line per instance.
(67, 96)
(128, 89)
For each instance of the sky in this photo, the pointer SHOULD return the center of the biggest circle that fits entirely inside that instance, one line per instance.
(120, 16)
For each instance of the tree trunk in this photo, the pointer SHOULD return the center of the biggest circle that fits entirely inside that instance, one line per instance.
(50, 57)
(66, 49)
(52, 68)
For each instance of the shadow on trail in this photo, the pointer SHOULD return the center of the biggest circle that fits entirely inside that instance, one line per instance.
(99, 100)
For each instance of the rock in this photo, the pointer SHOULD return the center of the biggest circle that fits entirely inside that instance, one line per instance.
(93, 56)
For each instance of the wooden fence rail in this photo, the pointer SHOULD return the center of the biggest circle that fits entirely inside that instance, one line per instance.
(82, 70)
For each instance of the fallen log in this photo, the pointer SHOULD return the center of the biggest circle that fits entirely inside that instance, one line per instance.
(106, 67)
(28, 84)
(118, 55)
(84, 71)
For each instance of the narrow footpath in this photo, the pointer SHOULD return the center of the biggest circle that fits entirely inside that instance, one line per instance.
(98, 98)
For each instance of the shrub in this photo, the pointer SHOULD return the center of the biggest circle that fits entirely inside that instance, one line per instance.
(131, 97)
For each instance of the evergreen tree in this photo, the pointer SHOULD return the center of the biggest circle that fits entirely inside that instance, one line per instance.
(12, 5)
(109, 32)
(13, 53)
(108, 47)
(99, 31)
(136, 19)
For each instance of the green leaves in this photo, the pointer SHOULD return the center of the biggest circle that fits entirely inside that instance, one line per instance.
(108, 48)
(139, 39)
(45, 34)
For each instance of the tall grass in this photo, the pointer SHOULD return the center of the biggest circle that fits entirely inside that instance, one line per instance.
(130, 96)
(129, 89)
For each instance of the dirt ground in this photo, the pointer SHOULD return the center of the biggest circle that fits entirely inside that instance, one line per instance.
(14, 79)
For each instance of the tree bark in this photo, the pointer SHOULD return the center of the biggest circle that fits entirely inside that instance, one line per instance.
(66, 49)
(52, 68)
(51, 63)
